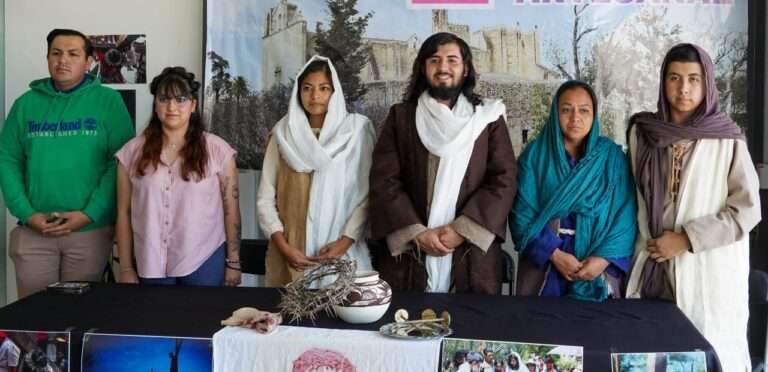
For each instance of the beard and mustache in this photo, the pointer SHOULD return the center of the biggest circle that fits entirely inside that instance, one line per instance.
(445, 92)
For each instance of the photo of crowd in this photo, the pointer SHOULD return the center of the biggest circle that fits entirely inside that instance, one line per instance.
(462, 355)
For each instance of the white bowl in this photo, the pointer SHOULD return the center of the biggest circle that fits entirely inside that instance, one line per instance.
(361, 314)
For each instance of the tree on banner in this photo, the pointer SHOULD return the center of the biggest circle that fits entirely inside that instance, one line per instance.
(343, 44)
(731, 63)
(583, 65)
(628, 63)
(220, 80)
(240, 88)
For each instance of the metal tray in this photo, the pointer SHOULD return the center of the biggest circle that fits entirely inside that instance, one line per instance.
(413, 332)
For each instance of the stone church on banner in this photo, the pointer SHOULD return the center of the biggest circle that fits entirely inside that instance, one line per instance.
(507, 58)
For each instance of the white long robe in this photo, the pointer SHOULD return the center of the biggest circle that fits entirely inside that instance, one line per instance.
(711, 286)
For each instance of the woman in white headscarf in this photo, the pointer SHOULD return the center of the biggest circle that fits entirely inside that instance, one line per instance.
(514, 362)
(313, 195)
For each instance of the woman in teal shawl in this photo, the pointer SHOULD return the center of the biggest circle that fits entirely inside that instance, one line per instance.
(574, 218)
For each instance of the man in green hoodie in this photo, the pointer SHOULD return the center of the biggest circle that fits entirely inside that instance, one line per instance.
(57, 168)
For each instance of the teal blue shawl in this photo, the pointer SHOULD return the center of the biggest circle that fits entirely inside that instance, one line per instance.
(599, 191)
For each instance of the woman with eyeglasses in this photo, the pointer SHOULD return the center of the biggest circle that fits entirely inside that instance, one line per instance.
(177, 196)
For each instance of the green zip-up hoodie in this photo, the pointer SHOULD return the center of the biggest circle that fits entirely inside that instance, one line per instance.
(57, 151)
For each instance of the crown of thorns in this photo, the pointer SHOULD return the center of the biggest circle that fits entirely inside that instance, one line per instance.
(299, 301)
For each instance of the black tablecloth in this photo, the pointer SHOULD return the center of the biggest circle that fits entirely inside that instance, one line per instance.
(617, 326)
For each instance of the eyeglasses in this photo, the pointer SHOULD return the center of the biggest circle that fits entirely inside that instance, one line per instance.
(180, 100)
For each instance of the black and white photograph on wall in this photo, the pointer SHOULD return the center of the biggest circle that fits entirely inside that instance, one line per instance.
(523, 50)
(483, 355)
(120, 59)
(129, 98)
(695, 361)
(34, 351)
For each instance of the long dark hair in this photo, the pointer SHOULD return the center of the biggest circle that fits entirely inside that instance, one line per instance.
(175, 82)
(419, 82)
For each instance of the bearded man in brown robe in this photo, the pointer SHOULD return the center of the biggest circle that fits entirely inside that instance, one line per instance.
(443, 178)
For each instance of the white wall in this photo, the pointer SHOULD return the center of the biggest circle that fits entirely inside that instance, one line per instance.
(174, 30)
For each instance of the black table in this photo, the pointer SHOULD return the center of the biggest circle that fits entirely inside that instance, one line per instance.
(616, 326)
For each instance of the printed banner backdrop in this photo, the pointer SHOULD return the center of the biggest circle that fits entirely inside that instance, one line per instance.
(34, 351)
(523, 50)
(480, 355)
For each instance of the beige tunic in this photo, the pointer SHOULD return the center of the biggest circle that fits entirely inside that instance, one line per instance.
(723, 228)
(739, 215)
(402, 240)
(282, 204)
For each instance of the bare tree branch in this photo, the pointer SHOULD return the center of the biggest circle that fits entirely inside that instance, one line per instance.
(582, 33)
(563, 71)
(578, 34)
(577, 12)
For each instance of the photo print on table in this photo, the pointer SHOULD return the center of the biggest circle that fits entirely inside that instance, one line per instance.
(695, 361)
(118, 353)
(42, 351)
(470, 355)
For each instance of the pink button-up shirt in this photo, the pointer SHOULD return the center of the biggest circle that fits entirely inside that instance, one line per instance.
(177, 224)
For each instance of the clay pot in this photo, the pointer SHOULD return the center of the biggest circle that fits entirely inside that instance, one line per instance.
(368, 301)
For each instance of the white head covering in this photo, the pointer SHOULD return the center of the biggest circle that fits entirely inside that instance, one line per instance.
(340, 159)
(293, 129)
(520, 363)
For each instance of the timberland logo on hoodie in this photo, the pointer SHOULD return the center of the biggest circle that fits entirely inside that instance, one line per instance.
(80, 127)
(90, 124)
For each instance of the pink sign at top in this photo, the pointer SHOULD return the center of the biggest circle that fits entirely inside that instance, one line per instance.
(472, 4)
(450, 1)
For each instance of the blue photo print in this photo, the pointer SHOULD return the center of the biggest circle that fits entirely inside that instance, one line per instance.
(695, 361)
(116, 353)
